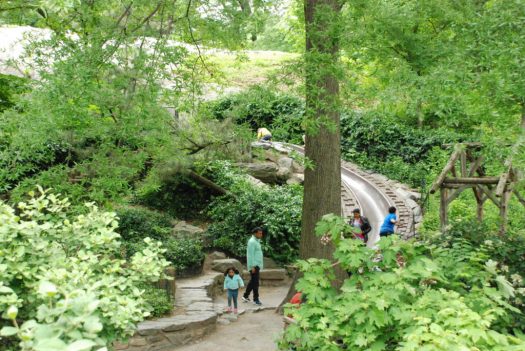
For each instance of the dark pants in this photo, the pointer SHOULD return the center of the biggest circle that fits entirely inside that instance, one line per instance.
(253, 285)
(386, 233)
(266, 138)
(232, 295)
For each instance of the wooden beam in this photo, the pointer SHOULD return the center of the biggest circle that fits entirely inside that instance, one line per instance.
(475, 166)
(520, 198)
(503, 179)
(489, 194)
(439, 180)
(472, 180)
(453, 195)
(463, 162)
(478, 194)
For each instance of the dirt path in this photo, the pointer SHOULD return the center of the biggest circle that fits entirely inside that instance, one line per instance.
(253, 331)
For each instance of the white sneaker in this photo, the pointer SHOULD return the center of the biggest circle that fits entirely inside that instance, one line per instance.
(244, 299)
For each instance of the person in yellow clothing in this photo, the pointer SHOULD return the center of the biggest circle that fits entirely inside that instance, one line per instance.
(264, 134)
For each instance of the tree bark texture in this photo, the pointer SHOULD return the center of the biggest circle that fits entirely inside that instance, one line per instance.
(322, 184)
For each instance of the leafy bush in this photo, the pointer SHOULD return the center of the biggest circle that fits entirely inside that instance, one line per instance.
(186, 255)
(277, 209)
(417, 296)
(158, 301)
(62, 286)
(263, 107)
(136, 223)
(10, 87)
(382, 144)
(180, 197)
(105, 178)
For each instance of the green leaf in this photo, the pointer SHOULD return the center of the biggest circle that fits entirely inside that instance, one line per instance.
(47, 289)
(6, 290)
(81, 345)
(54, 344)
(8, 331)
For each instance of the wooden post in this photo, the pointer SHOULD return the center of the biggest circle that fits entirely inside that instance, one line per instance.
(443, 209)
(503, 210)
(463, 163)
(478, 194)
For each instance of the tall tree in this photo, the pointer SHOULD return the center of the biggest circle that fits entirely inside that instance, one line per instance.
(322, 183)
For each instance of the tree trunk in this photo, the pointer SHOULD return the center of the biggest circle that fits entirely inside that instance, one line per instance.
(322, 184)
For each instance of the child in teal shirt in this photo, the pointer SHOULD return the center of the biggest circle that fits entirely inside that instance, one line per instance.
(232, 283)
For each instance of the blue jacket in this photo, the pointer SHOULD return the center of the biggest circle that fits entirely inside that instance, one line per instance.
(254, 255)
(233, 283)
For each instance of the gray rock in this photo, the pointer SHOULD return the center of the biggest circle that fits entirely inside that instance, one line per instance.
(223, 264)
(408, 194)
(411, 203)
(297, 168)
(283, 173)
(269, 263)
(264, 171)
(183, 229)
(216, 255)
(258, 144)
(273, 274)
(255, 181)
(296, 178)
(285, 162)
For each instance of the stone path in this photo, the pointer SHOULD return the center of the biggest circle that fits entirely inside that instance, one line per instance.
(256, 329)
(200, 302)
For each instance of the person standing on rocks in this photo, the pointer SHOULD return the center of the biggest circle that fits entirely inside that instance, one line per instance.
(254, 257)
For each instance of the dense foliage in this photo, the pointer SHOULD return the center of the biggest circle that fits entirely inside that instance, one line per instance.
(62, 285)
(407, 296)
(276, 209)
(138, 223)
(262, 106)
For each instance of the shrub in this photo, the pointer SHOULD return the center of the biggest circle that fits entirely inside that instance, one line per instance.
(180, 197)
(260, 106)
(417, 296)
(136, 223)
(62, 284)
(158, 301)
(277, 209)
(186, 255)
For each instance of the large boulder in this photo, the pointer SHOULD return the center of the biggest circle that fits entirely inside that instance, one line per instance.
(264, 171)
(185, 230)
(223, 264)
